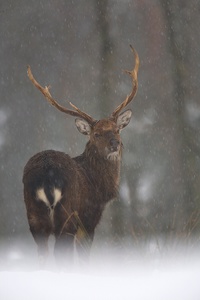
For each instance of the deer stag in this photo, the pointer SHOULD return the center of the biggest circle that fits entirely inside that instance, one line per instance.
(66, 196)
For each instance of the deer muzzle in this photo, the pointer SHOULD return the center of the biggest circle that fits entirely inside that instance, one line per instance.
(114, 145)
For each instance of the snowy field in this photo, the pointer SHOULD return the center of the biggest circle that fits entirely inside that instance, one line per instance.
(152, 277)
(172, 282)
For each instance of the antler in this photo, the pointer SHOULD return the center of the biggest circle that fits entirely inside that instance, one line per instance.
(130, 97)
(45, 91)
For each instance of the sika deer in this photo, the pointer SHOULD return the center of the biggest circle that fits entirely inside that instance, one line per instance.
(66, 196)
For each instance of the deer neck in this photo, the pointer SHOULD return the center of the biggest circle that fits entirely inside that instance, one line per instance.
(94, 159)
(103, 171)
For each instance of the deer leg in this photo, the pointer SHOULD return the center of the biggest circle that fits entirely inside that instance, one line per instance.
(84, 241)
(65, 228)
(64, 250)
(64, 244)
(41, 228)
(41, 237)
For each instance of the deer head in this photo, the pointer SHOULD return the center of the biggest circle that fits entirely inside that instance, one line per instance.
(103, 134)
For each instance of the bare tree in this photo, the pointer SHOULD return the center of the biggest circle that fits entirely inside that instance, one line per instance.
(178, 17)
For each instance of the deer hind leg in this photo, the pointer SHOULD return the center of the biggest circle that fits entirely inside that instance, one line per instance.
(41, 239)
(41, 230)
(64, 250)
(65, 230)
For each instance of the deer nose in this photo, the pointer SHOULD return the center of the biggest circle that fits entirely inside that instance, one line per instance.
(114, 144)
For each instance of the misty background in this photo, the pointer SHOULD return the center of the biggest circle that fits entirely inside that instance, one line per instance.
(81, 48)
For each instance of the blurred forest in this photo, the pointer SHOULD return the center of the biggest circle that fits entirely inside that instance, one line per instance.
(81, 48)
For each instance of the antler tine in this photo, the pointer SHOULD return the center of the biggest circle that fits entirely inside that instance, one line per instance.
(133, 75)
(83, 114)
(47, 95)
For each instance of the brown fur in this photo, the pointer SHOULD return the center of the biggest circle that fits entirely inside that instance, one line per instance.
(66, 196)
(87, 182)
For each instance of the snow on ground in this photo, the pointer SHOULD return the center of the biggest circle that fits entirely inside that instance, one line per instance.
(124, 277)
(171, 281)
(169, 284)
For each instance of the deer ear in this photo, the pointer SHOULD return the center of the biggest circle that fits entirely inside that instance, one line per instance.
(124, 118)
(83, 126)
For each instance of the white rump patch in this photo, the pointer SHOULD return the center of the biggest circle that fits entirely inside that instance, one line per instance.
(57, 197)
(42, 196)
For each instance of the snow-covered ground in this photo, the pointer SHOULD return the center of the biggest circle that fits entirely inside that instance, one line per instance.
(152, 277)
(172, 282)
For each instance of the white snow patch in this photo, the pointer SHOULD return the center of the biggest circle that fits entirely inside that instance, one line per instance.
(14, 255)
(193, 112)
(146, 186)
(174, 281)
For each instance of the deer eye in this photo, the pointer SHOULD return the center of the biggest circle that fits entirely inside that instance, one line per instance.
(97, 135)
